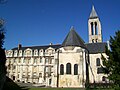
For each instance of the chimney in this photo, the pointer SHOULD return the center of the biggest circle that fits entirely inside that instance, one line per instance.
(19, 46)
(50, 44)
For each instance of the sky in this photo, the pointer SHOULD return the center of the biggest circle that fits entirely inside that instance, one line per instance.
(40, 22)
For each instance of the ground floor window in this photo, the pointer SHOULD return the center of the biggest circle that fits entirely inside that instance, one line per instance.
(68, 68)
(61, 69)
(75, 69)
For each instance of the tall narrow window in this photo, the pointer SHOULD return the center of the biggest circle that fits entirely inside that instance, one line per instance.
(75, 69)
(19, 60)
(40, 60)
(96, 40)
(97, 62)
(100, 70)
(92, 30)
(23, 60)
(61, 69)
(68, 68)
(92, 40)
(35, 60)
(40, 74)
(96, 29)
(103, 78)
(29, 60)
(46, 60)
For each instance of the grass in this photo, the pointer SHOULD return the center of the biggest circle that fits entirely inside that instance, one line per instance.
(10, 85)
(65, 89)
(55, 89)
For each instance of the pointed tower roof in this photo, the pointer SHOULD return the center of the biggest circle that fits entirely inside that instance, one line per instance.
(93, 13)
(73, 39)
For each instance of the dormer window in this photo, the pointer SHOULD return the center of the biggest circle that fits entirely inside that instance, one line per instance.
(40, 52)
(20, 52)
(35, 52)
(9, 53)
(15, 53)
(28, 52)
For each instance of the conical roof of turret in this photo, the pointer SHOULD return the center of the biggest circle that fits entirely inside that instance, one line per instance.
(73, 39)
(93, 13)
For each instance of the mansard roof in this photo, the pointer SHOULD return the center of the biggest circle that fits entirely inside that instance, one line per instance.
(73, 39)
(93, 48)
(93, 13)
(39, 47)
(96, 47)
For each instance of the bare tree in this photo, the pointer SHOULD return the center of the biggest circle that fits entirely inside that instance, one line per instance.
(2, 55)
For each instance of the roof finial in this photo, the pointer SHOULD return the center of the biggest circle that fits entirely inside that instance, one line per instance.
(93, 13)
(93, 7)
(72, 28)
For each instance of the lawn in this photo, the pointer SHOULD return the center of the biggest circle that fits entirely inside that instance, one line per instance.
(55, 89)
(10, 85)
(65, 89)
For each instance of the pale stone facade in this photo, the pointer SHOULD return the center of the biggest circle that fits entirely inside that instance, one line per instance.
(30, 66)
(94, 27)
(71, 64)
(74, 56)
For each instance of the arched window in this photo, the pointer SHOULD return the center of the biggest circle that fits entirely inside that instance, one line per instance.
(103, 78)
(29, 60)
(35, 52)
(75, 69)
(92, 31)
(40, 74)
(92, 40)
(35, 60)
(61, 69)
(40, 60)
(96, 29)
(97, 62)
(96, 40)
(24, 60)
(68, 68)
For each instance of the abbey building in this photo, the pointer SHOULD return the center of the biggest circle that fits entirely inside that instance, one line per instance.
(70, 64)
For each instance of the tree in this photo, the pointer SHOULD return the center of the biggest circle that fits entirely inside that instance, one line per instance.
(2, 56)
(111, 64)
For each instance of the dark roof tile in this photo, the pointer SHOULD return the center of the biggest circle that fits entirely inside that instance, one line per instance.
(39, 47)
(96, 47)
(93, 13)
(73, 39)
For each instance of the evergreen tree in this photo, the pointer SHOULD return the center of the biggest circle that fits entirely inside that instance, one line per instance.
(2, 56)
(112, 62)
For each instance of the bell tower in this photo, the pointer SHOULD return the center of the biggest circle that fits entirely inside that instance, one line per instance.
(94, 27)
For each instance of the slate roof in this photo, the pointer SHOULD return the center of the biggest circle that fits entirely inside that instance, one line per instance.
(39, 47)
(96, 47)
(93, 48)
(93, 13)
(73, 39)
